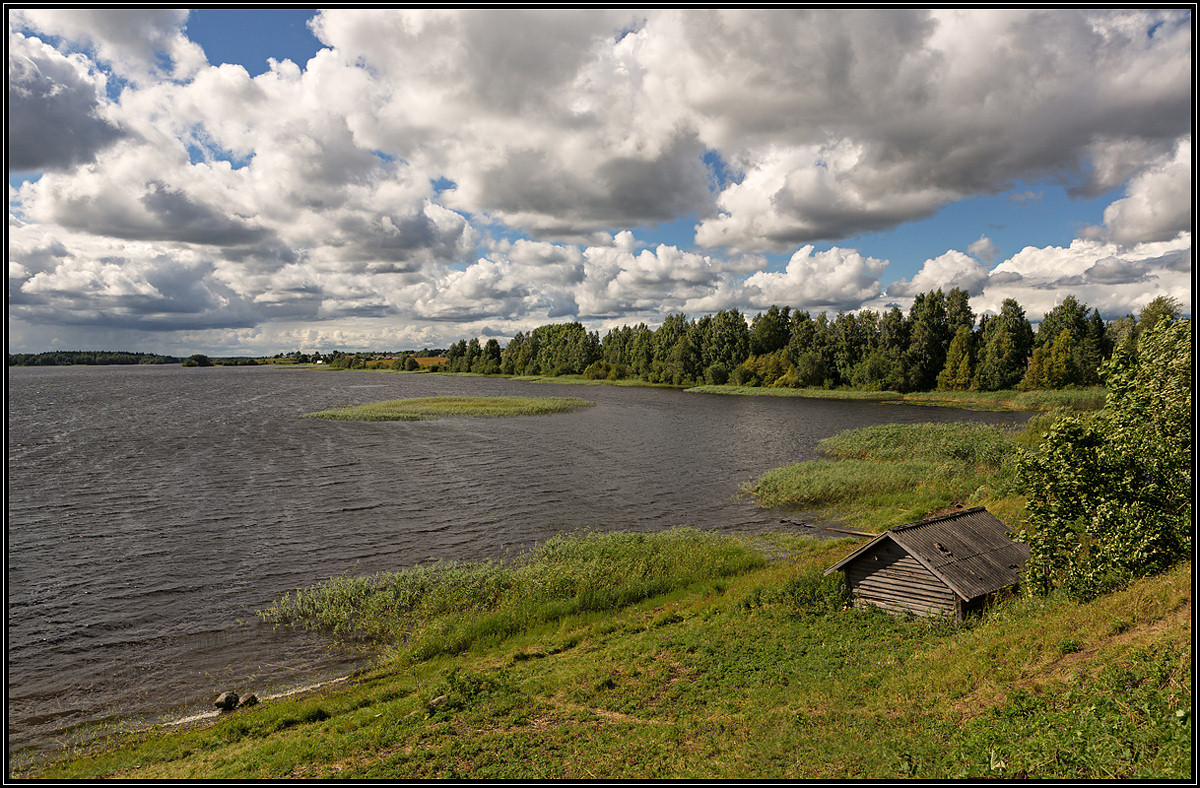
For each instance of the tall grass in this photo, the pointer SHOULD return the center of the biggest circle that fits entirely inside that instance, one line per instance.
(783, 391)
(449, 607)
(1091, 398)
(419, 408)
(892, 473)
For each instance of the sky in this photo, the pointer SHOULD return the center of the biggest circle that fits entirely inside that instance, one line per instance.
(257, 181)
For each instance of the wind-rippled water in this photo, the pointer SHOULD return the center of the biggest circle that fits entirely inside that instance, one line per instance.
(153, 509)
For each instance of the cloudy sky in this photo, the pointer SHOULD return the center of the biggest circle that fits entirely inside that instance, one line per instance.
(259, 181)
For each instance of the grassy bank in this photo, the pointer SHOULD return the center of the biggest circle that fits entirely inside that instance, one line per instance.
(1091, 398)
(746, 672)
(419, 408)
(885, 475)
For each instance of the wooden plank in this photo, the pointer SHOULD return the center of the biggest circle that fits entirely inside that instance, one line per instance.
(897, 581)
(894, 610)
(845, 531)
(911, 606)
(939, 601)
(904, 589)
(899, 575)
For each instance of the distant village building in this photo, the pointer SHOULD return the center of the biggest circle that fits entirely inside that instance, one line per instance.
(942, 566)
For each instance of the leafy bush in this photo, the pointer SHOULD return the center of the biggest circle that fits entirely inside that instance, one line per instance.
(811, 591)
(1110, 497)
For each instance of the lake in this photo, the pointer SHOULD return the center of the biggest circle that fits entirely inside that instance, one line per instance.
(153, 509)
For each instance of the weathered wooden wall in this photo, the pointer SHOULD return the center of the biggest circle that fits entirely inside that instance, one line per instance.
(890, 578)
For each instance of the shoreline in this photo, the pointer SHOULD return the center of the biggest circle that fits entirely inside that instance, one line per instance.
(217, 714)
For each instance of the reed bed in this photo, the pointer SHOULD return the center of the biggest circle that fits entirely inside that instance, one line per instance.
(446, 608)
(419, 408)
(1089, 398)
(893, 473)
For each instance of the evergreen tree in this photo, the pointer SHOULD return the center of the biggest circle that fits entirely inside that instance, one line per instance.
(958, 311)
(1055, 365)
(956, 375)
(1093, 349)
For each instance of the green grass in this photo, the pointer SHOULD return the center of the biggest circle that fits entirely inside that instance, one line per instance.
(747, 675)
(891, 474)
(813, 393)
(1074, 399)
(419, 408)
(449, 607)
(580, 380)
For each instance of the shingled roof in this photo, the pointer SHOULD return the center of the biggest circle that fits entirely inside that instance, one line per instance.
(970, 551)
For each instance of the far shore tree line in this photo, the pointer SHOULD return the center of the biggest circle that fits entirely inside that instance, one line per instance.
(59, 358)
(937, 344)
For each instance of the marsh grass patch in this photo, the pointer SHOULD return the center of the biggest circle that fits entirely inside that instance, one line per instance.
(420, 408)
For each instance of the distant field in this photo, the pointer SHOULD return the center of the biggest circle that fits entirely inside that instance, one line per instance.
(419, 408)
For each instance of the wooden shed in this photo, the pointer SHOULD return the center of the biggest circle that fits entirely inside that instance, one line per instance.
(947, 565)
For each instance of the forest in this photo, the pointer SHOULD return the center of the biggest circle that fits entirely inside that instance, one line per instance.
(938, 344)
(58, 358)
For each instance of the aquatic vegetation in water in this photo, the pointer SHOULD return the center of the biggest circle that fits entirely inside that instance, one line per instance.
(419, 408)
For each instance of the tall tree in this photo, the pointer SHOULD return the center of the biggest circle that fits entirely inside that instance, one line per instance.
(926, 353)
(1006, 344)
(1054, 365)
(1070, 315)
(1161, 308)
(956, 375)
(958, 311)
(728, 340)
(770, 331)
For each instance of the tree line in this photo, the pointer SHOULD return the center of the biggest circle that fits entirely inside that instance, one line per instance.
(936, 344)
(57, 358)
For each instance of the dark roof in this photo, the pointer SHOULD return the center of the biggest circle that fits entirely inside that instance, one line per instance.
(970, 551)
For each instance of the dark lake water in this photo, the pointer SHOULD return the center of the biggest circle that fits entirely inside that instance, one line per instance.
(153, 509)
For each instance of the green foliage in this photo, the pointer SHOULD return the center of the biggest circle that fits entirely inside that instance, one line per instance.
(936, 345)
(739, 677)
(1110, 497)
(956, 375)
(1055, 364)
(811, 591)
(1007, 341)
(1130, 721)
(198, 360)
